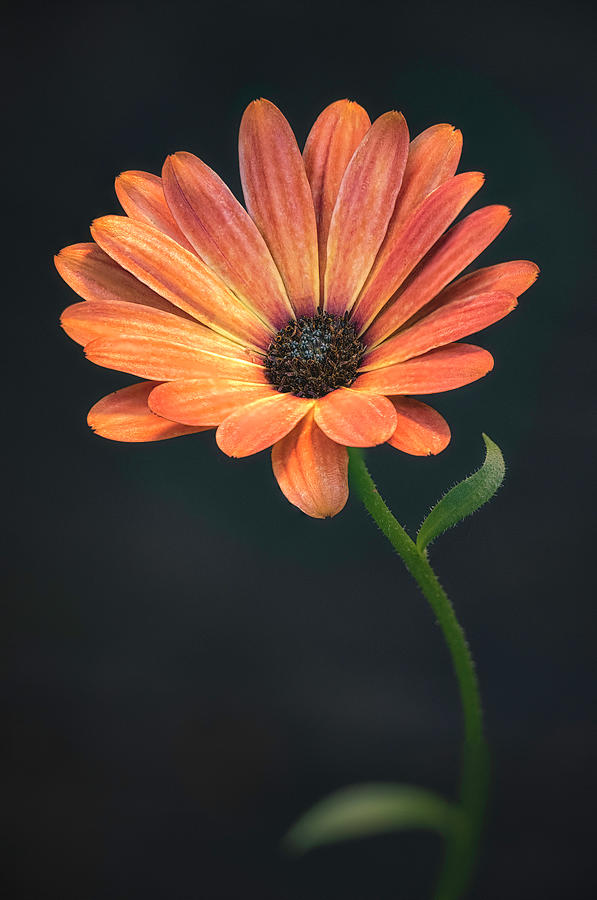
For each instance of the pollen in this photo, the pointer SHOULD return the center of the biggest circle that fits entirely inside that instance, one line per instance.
(314, 355)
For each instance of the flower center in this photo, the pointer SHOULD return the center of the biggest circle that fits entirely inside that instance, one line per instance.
(314, 355)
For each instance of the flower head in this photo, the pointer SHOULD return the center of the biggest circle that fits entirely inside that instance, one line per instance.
(306, 321)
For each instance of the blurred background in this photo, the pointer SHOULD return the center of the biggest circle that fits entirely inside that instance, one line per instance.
(191, 661)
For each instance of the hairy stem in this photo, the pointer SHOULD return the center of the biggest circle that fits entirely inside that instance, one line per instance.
(461, 848)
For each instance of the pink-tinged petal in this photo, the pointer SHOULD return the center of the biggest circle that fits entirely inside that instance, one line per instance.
(204, 401)
(93, 275)
(433, 158)
(355, 419)
(514, 277)
(141, 195)
(416, 236)
(451, 322)
(84, 322)
(125, 416)
(160, 359)
(363, 209)
(311, 470)
(278, 197)
(335, 136)
(179, 276)
(225, 237)
(452, 253)
(420, 431)
(439, 370)
(260, 424)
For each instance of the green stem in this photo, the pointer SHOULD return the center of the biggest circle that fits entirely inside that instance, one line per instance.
(461, 848)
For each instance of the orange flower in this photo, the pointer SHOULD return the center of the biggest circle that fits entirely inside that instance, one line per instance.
(305, 322)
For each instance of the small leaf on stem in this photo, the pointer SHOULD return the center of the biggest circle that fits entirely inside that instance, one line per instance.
(465, 498)
(369, 809)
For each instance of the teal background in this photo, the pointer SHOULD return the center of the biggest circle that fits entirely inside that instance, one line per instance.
(191, 662)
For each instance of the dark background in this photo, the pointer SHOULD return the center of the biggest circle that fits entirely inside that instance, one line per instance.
(191, 661)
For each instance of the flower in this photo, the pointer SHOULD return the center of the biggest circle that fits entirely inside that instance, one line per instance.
(306, 322)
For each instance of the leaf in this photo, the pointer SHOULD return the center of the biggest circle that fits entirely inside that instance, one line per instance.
(465, 498)
(370, 809)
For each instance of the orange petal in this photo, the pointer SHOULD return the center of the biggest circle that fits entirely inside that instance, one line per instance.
(204, 401)
(443, 369)
(514, 277)
(452, 253)
(363, 209)
(311, 470)
(225, 236)
(179, 276)
(278, 197)
(260, 424)
(420, 431)
(433, 158)
(398, 257)
(355, 419)
(84, 322)
(335, 136)
(142, 197)
(93, 275)
(451, 322)
(125, 416)
(164, 360)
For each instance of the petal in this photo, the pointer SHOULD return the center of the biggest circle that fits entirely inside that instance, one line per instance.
(335, 136)
(260, 424)
(452, 321)
(420, 431)
(179, 276)
(225, 237)
(433, 158)
(443, 369)
(141, 195)
(278, 197)
(93, 275)
(165, 360)
(363, 209)
(204, 401)
(398, 257)
(514, 277)
(311, 470)
(84, 322)
(355, 419)
(125, 416)
(452, 253)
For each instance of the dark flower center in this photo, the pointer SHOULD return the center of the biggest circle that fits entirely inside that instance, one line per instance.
(314, 355)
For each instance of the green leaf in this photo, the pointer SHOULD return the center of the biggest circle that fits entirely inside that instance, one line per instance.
(370, 809)
(465, 498)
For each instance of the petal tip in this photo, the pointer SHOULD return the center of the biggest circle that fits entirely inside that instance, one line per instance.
(97, 224)
(259, 102)
(501, 211)
(125, 177)
(393, 116)
(532, 269)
